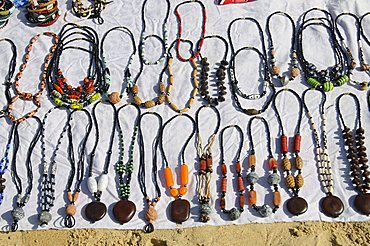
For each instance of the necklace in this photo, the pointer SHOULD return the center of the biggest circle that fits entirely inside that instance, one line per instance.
(18, 212)
(275, 70)
(233, 213)
(331, 205)
(194, 54)
(125, 209)
(180, 208)
(236, 91)
(171, 81)
(151, 213)
(6, 11)
(27, 96)
(4, 163)
(115, 97)
(273, 178)
(92, 11)
(9, 76)
(205, 165)
(296, 205)
(356, 156)
(96, 210)
(42, 12)
(72, 196)
(220, 76)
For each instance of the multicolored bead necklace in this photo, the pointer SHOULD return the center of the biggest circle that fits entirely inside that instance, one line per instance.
(4, 162)
(42, 12)
(92, 11)
(6, 11)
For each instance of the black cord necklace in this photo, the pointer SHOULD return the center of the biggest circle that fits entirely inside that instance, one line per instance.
(4, 163)
(9, 76)
(125, 209)
(151, 214)
(96, 210)
(18, 212)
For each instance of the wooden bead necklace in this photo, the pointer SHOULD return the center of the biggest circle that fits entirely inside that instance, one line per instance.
(96, 210)
(180, 208)
(72, 196)
(6, 11)
(205, 165)
(92, 11)
(42, 12)
(151, 214)
(194, 54)
(28, 96)
(275, 70)
(296, 205)
(252, 177)
(236, 91)
(124, 210)
(350, 60)
(331, 205)
(115, 97)
(171, 80)
(233, 213)
(356, 155)
(219, 75)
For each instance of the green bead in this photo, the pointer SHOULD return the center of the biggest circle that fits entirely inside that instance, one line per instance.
(313, 82)
(328, 86)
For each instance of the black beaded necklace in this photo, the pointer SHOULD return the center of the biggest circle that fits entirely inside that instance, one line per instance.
(125, 209)
(356, 155)
(96, 210)
(4, 163)
(18, 212)
(233, 213)
(151, 214)
(72, 196)
(205, 165)
(296, 205)
(220, 76)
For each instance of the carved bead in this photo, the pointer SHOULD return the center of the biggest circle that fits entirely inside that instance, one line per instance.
(71, 209)
(151, 214)
(161, 99)
(162, 88)
(114, 97)
(137, 100)
(290, 182)
(135, 89)
(286, 164)
(275, 70)
(298, 162)
(295, 72)
(299, 181)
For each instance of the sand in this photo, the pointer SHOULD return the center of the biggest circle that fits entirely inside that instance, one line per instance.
(305, 233)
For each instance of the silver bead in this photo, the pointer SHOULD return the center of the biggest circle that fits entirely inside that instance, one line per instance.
(205, 208)
(265, 210)
(234, 214)
(252, 177)
(44, 218)
(274, 179)
(18, 214)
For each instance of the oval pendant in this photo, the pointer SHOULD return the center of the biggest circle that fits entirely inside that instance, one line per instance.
(124, 210)
(362, 203)
(332, 206)
(180, 211)
(95, 211)
(297, 205)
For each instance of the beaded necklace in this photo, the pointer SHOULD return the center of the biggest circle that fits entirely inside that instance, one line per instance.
(28, 96)
(233, 213)
(364, 65)
(4, 163)
(194, 54)
(115, 97)
(273, 178)
(356, 155)
(180, 208)
(236, 91)
(92, 11)
(219, 75)
(42, 12)
(96, 210)
(72, 196)
(151, 213)
(205, 165)
(21, 201)
(125, 209)
(351, 63)
(296, 205)
(6, 11)
(171, 80)
(275, 70)
(331, 205)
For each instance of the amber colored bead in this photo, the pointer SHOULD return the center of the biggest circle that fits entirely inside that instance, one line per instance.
(222, 203)
(223, 184)
(297, 143)
(86, 80)
(183, 191)
(284, 144)
(174, 192)
(295, 72)
(161, 99)
(57, 88)
(286, 164)
(114, 97)
(224, 169)
(241, 201)
(75, 196)
(71, 209)
(168, 176)
(275, 70)
(290, 182)
(209, 163)
(184, 174)
(238, 167)
(252, 160)
(298, 162)
(69, 196)
(240, 184)
(299, 181)
(203, 164)
(135, 89)
(137, 100)
(252, 197)
(277, 198)
(149, 104)
(162, 88)
(272, 163)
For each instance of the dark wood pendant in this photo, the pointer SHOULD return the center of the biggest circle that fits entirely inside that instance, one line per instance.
(95, 211)
(297, 205)
(124, 210)
(332, 206)
(362, 203)
(180, 211)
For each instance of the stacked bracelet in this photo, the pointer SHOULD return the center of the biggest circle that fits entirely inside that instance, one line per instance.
(6, 10)
(42, 12)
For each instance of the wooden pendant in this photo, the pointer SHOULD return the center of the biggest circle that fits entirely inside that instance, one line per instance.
(124, 210)
(297, 205)
(180, 211)
(362, 203)
(95, 211)
(332, 206)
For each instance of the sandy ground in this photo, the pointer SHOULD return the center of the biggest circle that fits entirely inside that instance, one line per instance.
(307, 233)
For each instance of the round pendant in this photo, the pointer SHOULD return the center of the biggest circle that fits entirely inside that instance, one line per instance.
(362, 203)
(332, 206)
(180, 210)
(124, 210)
(297, 205)
(95, 211)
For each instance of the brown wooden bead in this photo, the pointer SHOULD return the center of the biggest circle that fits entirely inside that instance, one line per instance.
(222, 203)
(275, 70)
(298, 162)
(252, 197)
(71, 209)
(203, 164)
(2, 188)
(114, 97)
(252, 160)
(224, 169)
(295, 72)
(135, 89)
(238, 167)
(151, 214)
(241, 201)
(69, 196)
(209, 163)
(149, 104)
(297, 143)
(284, 144)
(272, 163)
(240, 184)
(299, 181)
(162, 88)
(223, 184)
(137, 100)
(290, 182)
(75, 196)
(277, 198)
(161, 99)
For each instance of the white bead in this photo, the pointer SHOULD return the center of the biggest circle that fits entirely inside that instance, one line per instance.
(284, 80)
(103, 182)
(92, 185)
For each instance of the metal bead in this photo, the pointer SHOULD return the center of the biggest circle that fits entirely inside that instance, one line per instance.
(234, 214)
(265, 210)
(44, 218)
(252, 177)
(18, 214)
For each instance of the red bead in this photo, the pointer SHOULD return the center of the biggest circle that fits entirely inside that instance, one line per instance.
(284, 144)
(297, 143)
